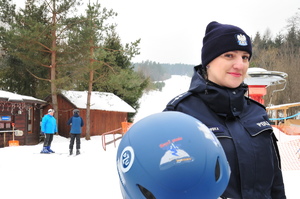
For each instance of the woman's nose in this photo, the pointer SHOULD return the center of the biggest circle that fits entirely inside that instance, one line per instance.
(239, 62)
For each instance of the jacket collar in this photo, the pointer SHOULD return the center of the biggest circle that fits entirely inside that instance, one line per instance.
(224, 101)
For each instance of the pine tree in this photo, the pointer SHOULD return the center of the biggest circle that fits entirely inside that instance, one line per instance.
(36, 36)
(102, 58)
(20, 67)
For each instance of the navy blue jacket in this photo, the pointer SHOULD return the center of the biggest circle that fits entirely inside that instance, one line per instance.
(76, 123)
(243, 128)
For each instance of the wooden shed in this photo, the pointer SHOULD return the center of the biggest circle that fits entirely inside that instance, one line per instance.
(20, 117)
(107, 111)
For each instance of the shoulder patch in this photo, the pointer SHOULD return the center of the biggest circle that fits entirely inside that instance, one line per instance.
(173, 103)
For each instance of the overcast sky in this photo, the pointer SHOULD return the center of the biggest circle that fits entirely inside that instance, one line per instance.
(171, 31)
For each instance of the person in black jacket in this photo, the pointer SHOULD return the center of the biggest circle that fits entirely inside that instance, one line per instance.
(217, 98)
(76, 123)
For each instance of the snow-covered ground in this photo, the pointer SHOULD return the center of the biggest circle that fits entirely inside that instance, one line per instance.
(156, 101)
(25, 173)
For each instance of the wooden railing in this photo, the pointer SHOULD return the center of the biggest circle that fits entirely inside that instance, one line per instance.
(114, 132)
(119, 131)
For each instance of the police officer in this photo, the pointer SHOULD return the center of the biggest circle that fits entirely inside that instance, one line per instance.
(217, 98)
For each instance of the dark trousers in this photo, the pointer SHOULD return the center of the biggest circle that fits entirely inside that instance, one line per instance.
(48, 139)
(73, 137)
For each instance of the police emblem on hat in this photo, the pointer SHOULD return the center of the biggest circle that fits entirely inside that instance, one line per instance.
(241, 39)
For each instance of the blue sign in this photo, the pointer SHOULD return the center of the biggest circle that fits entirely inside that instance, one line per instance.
(5, 118)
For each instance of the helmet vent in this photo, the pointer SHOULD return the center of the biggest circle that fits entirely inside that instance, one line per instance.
(217, 170)
(146, 192)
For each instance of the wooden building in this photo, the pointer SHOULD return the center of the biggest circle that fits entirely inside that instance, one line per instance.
(107, 111)
(20, 118)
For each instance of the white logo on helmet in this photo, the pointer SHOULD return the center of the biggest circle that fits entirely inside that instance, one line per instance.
(126, 159)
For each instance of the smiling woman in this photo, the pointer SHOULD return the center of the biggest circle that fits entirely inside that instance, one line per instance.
(217, 98)
(229, 69)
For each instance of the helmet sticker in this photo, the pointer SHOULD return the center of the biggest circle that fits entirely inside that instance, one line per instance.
(126, 159)
(174, 155)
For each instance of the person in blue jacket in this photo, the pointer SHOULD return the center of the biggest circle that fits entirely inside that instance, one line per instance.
(76, 123)
(49, 128)
(217, 97)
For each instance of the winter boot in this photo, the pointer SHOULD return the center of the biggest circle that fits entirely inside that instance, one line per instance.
(77, 152)
(48, 147)
(71, 151)
(45, 150)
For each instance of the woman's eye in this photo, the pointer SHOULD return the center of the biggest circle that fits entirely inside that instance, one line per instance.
(228, 55)
(246, 57)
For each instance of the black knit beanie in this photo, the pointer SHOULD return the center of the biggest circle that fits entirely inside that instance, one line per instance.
(221, 38)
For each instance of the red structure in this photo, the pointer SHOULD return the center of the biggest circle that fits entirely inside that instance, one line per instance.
(259, 79)
(256, 92)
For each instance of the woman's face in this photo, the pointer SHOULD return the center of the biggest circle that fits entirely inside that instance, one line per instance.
(229, 69)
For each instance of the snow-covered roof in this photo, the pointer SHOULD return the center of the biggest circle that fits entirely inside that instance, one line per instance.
(99, 101)
(9, 96)
(260, 76)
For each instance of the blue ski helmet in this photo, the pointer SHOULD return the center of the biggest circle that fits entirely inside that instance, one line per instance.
(171, 155)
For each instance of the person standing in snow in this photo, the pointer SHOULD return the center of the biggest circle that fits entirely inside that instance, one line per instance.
(76, 123)
(48, 127)
(217, 98)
